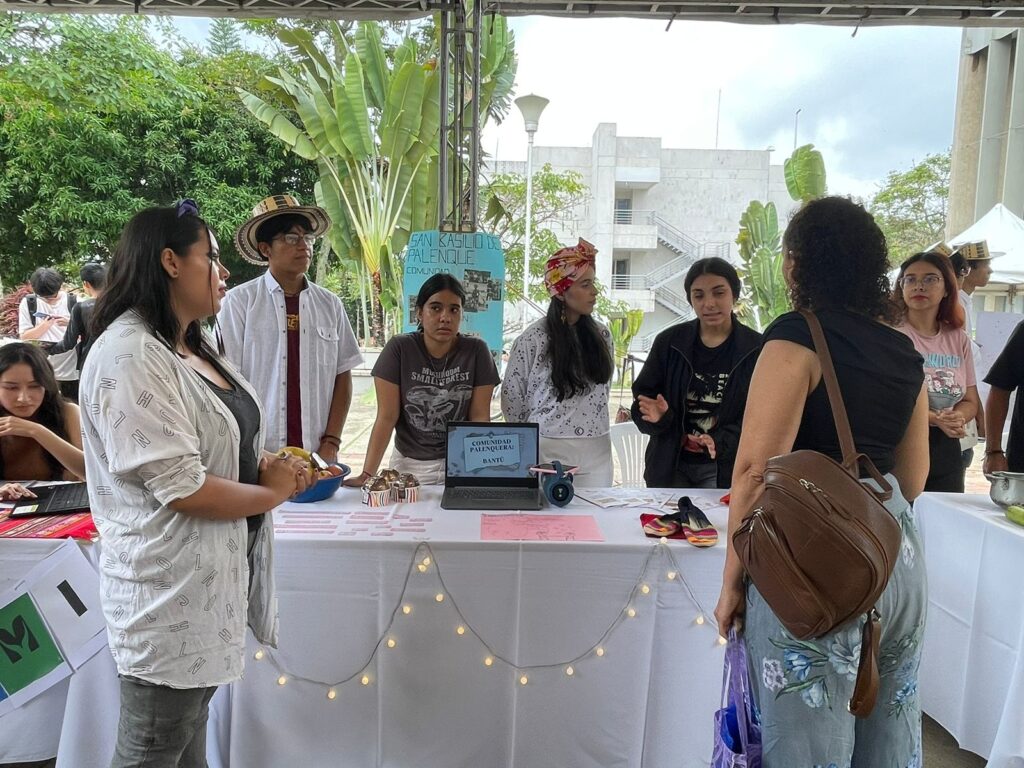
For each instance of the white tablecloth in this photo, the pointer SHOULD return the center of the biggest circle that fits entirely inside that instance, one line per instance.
(972, 671)
(431, 701)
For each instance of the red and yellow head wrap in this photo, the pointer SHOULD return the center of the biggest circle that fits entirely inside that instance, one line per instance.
(566, 265)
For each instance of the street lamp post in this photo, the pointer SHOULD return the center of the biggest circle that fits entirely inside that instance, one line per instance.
(796, 124)
(531, 107)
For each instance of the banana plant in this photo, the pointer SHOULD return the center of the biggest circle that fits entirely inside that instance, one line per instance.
(624, 329)
(372, 124)
(760, 239)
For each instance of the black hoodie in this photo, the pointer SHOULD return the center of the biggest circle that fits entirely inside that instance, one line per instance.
(667, 372)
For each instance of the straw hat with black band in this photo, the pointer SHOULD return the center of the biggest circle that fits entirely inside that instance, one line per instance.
(977, 251)
(268, 208)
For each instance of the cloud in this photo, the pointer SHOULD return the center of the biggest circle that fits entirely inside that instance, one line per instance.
(873, 102)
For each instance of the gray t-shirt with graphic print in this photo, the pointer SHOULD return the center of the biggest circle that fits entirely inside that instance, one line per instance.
(433, 391)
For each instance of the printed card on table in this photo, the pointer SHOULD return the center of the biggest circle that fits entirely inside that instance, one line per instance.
(539, 528)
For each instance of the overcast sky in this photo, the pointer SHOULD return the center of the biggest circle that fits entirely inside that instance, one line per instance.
(872, 102)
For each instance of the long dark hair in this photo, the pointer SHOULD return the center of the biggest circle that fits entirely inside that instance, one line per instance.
(950, 311)
(50, 413)
(136, 279)
(579, 355)
(442, 281)
(840, 259)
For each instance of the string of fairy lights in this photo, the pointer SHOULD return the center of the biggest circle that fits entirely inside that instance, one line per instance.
(423, 559)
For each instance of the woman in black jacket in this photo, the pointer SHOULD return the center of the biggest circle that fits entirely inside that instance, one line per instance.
(691, 392)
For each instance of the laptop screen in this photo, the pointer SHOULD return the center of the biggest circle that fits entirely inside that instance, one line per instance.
(492, 453)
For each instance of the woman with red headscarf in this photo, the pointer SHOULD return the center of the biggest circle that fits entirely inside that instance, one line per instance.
(560, 370)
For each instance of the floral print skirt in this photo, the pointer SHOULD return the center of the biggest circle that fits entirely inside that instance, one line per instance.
(802, 687)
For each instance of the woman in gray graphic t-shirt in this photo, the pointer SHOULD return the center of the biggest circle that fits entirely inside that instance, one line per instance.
(424, 380)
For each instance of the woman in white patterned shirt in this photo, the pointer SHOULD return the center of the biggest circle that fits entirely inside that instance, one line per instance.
(560, 370)
(178, 487)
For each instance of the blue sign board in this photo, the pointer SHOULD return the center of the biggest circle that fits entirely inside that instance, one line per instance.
(477, 260)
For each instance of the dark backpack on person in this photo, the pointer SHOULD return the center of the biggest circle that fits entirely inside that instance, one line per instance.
(30, 302)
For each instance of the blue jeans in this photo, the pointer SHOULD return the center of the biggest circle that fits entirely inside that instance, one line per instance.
(161, 727)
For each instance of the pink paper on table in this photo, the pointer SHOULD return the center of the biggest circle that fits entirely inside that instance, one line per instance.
(539, 528)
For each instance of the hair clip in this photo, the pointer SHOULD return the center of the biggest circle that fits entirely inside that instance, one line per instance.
(188, 207)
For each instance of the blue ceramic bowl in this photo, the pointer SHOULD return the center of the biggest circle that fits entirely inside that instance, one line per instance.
(325, 488)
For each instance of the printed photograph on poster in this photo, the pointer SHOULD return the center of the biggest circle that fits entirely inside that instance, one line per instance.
(477, 260)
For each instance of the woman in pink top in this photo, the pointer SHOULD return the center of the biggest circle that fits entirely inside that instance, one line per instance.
(933, 318)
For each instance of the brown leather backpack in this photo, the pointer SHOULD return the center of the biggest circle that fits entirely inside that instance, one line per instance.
(819, 544)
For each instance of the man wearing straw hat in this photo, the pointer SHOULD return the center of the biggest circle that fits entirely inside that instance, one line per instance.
(288, 336)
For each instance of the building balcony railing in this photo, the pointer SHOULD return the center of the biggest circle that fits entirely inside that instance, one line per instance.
(630, 216)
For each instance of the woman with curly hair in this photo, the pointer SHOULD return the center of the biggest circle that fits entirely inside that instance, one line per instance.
(560, 370)
(835, 264)
(40, 436)
(933, 318)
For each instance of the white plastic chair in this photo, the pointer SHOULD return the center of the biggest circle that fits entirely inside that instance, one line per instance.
(629, 444)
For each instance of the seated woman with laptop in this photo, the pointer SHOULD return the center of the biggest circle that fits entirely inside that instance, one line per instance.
(40, 432)
(424, 380)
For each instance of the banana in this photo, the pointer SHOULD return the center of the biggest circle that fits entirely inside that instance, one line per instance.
(1015, 513)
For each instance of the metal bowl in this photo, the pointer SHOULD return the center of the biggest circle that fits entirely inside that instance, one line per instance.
(1007, 488)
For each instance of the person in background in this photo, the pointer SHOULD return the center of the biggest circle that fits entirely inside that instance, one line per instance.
(691, 391)
(77, 335)
(933, 319)
(560, 369)
(425, 379)
(975, 428)
(287, 335)
(40, 432)
(836, 265)
(178, 487)
(42, 317)
(1004, 378)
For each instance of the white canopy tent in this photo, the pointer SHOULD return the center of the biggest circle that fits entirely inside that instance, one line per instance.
(1004, 233)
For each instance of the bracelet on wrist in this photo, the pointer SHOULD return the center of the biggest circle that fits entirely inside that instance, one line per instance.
(331, 439)
(994, 453)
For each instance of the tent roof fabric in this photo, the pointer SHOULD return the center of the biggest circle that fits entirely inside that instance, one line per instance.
(1004, 233)
(956, 13)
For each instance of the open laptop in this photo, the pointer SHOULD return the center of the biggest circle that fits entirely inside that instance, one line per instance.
(487, 466)
(55, 499)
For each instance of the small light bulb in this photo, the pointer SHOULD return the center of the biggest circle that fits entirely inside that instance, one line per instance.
(645, 589)
(365, 680)
(332, 694)
(721, 640)
(282, 680)
(421, 568)
(406, 609)
(570, 671)
(391, 642)
(524, 680)
(599, 651)
(439, 597)
(671, 575)
(258, 655)
(631, 613)
(488, 661)
(700, 620)
(460, 630)
(426, 561)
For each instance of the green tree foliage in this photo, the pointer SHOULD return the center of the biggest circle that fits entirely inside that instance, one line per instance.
(911, 206)
(372, 124)
(97, 121)
(556, 195)
(225, 37)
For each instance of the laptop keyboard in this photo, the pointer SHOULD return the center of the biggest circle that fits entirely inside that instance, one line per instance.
(488, 494)
(74, 497)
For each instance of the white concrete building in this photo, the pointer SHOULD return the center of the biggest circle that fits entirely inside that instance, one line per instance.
(652, 211)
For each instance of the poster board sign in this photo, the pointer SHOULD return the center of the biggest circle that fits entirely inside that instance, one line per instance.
(51, 623)
(477, 260)
(991, 332)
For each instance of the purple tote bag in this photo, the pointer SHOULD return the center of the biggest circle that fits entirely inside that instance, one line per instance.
(737, 726)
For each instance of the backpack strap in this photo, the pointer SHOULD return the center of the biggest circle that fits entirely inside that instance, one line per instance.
(72, 299)
(30, 302)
